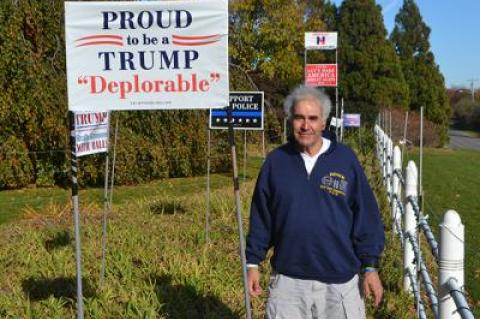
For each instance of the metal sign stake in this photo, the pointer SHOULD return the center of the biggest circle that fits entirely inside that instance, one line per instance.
(236, 188)
(76, 219)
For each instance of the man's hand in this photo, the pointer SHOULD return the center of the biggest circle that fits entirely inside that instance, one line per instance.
(372, 286)
(253, 282)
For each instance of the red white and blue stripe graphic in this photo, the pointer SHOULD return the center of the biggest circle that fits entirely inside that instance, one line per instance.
(100, 39)
(196, 40)
(237, 113)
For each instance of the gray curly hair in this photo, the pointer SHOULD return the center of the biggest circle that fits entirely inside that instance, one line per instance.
(303, 92)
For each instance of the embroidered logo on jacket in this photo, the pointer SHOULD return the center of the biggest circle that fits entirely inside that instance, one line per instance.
(334, 183)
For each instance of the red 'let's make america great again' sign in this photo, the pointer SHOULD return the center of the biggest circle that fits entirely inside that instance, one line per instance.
(321, 74)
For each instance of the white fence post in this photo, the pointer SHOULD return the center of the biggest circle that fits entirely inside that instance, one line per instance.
(380, 147)
(451, 256)
(410, 225)
(396, 188)
(452, 303)
(389, 168)
(384, 157)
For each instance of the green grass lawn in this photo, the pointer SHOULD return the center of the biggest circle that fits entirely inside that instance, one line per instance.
(14, 204)
(158, 264)
(451, 180)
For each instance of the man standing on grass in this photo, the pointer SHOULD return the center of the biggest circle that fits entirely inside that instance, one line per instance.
(313, 205)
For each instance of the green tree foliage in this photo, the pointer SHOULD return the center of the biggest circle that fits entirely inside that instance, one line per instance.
(426, 84)
(266, 41)
(268, 37)
(327, 12)
(370, 74)
(467, 114)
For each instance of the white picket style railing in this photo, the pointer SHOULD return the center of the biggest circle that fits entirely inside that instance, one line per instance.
(407, 220)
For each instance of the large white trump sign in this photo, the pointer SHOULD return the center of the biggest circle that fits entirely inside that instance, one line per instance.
(146, 55)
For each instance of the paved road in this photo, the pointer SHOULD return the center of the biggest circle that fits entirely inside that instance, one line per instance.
(459, 139)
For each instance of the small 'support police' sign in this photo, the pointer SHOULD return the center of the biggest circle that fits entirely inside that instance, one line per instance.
(247, 112)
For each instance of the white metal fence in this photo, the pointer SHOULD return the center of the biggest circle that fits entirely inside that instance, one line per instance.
(447, 299)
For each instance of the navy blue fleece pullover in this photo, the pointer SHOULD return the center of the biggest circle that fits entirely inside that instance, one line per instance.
(322, 226)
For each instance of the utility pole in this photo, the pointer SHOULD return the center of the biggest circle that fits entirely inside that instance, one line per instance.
(472, 87)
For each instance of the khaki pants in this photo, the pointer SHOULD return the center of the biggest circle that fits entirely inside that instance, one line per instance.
(291, 298)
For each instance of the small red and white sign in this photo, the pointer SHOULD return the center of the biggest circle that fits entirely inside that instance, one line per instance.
(91, 132)
(321, 74)
(320, 40)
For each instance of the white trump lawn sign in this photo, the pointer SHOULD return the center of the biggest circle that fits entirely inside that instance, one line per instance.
(146, 55)
(91, 132)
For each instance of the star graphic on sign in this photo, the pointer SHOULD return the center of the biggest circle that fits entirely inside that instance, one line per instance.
(254, 120)
(225, 120)
(239, 120)
(218, 120)
(247, 120)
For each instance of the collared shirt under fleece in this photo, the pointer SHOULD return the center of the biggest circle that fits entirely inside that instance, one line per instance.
(323, 225)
